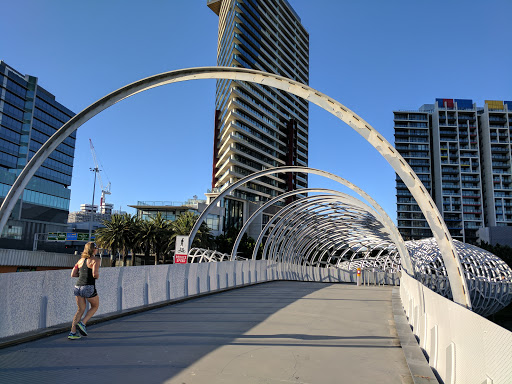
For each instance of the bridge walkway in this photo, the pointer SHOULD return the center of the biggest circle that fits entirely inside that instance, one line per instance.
(278, 332)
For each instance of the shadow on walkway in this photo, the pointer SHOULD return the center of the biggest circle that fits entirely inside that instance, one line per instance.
(155, 346)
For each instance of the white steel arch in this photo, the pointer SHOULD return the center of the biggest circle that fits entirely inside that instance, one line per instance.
(408, 176)
(388, 223)
(301, 228)
(318, 217)
(352, 200)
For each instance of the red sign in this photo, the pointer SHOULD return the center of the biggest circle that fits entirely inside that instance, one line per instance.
(180, 259)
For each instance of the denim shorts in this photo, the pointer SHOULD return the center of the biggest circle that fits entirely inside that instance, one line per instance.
(86, 291)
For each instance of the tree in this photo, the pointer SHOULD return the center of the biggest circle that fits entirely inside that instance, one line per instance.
(129, 233)
(162, 234)
(246, 246)
(224, 243)
(145, 238)
(118, 235)
(504, 252)
(183, 226)
(108, 237)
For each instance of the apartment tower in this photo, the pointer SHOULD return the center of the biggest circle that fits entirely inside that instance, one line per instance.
(29, 115)
(461, 152)
(257, 127)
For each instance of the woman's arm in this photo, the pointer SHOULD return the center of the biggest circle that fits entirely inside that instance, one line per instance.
(74, 271)
(96, 268)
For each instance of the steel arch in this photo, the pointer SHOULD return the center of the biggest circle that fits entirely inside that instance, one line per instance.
(297, 205)
(388, 222)
(406, 173)
(285, 195)
(330, 230)
(291, 225)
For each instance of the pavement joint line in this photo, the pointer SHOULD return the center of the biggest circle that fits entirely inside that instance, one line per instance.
(418, 366)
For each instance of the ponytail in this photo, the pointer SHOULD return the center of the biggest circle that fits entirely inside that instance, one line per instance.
(89, 249)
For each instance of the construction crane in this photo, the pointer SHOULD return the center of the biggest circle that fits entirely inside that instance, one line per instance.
(104, 190)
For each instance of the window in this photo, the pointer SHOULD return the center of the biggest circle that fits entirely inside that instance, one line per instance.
(213, 221)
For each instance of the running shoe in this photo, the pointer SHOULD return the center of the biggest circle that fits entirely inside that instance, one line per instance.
(74, 336)
(81, 328)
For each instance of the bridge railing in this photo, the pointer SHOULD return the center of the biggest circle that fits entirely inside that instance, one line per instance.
(32, 301)
(462, 346)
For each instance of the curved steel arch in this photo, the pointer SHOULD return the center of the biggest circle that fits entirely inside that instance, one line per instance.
(400, 166)
(292, 193)
(296, 223)
(308, 210)
(311, 224)
(301, 217)
(388, 222)
(290, 206)
(326, 227)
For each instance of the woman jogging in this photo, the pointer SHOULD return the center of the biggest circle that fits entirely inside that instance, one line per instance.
(87, 269)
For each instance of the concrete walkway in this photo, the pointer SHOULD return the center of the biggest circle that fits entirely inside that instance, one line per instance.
(279, 332)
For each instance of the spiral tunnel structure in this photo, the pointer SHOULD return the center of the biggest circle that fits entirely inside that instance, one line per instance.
(330, 229)
(404, 171)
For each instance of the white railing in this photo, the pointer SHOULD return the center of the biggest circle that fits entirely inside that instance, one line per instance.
(461, 346)
(31, 301)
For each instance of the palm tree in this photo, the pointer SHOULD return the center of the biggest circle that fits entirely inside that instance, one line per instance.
(183, 226)
(162, 232)
(119, 234)
(130, 230)
(109, 236)
(145, 238)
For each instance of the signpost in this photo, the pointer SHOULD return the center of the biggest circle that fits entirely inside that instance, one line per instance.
(181, 250)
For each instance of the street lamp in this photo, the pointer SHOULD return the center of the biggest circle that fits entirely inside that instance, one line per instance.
(95, 170)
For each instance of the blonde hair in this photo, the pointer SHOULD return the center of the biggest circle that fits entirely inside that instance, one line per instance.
(89, 249)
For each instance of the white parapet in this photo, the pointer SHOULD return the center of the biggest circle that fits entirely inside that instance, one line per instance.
(32, 301)
(462, 346)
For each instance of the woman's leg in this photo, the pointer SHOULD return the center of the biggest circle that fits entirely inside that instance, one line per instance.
(80, 303)
(95, 303)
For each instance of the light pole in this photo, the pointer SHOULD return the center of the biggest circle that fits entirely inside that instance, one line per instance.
(95, 170)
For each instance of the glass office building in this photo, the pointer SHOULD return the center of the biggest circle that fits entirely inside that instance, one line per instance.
(257, 127)
(29, 115)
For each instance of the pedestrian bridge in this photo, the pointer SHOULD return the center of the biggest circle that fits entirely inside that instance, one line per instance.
(307, 324)
(287, 323)
(282, 331)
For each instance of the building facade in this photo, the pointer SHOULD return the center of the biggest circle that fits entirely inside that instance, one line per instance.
(29, 115)
(461, 153)
(170, 210)
(257, 127)
(89, 216)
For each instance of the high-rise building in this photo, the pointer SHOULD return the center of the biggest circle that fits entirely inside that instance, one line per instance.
(257, 127)
(412, 140)
(461, 153)
(29, 115)
(496, 137)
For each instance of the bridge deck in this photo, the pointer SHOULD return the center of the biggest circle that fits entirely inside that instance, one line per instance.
(279, 332)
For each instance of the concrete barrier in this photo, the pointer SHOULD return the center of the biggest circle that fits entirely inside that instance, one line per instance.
(31, 301)
(36, 300)
(462, 346)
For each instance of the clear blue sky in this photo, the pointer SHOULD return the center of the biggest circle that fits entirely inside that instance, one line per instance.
(373, 56)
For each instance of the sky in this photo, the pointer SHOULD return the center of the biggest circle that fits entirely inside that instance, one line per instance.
(373, 56)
